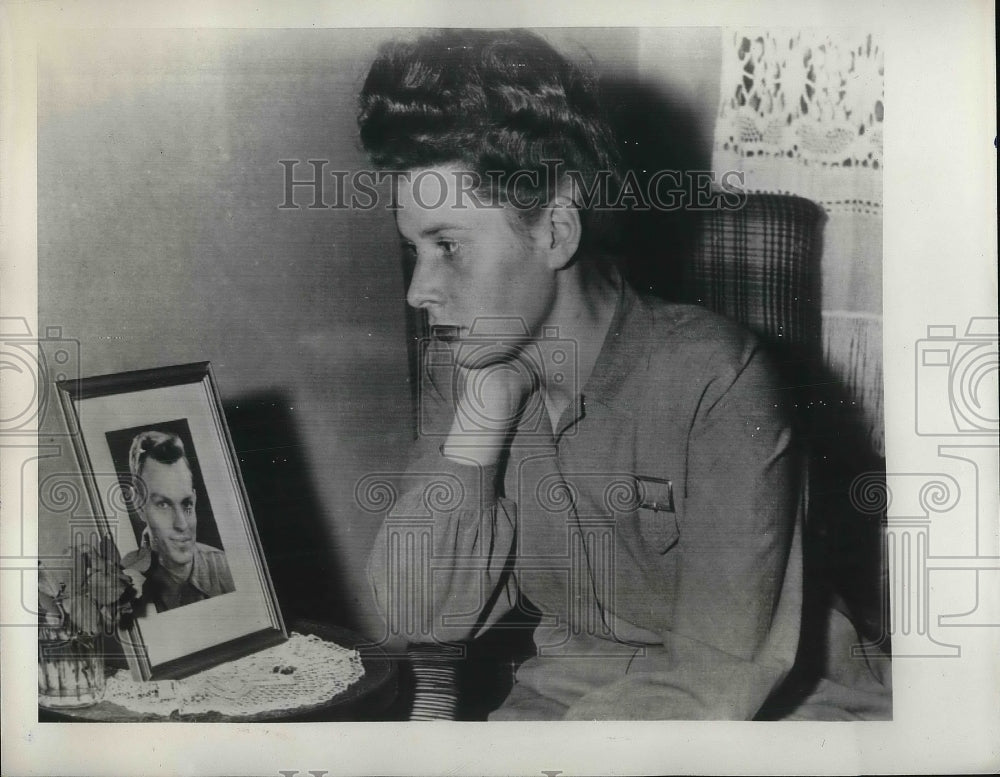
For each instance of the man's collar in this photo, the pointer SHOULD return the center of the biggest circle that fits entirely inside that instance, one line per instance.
(201, 574)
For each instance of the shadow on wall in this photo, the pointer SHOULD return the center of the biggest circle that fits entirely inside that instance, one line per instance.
(846, 537)
(845, 562)
(286, 508)
(657, 130)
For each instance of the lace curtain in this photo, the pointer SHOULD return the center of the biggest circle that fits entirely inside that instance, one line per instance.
(801, 113)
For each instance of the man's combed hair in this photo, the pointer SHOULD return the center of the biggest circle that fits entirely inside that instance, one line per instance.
(163, 447)
(491, 101)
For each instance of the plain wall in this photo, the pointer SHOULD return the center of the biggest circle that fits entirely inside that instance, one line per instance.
(160, 241)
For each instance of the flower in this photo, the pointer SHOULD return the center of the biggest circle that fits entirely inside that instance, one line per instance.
(99, 596)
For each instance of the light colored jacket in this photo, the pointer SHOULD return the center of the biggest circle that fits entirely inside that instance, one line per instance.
(658, 530)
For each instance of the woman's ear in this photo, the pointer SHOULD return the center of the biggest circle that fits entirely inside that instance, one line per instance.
(564, 231)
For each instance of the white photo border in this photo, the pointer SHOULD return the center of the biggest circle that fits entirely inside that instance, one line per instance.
(940, 265)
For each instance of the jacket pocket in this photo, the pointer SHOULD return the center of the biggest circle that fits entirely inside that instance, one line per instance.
(657, 518)
(655, 514)
(658, 528)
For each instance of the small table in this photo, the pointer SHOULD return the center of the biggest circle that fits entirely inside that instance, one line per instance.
(367, 699)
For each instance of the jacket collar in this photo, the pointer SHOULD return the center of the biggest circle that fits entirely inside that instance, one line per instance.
(201, 574)
(626, 345)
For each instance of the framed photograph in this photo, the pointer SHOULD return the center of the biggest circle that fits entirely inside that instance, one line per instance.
(161, 473)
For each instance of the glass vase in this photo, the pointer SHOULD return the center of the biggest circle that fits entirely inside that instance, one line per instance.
(70, 669)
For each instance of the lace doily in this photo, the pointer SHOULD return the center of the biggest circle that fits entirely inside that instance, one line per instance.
(300, 672)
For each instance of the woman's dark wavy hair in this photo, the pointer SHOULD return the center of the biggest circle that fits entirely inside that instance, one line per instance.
(491, 101)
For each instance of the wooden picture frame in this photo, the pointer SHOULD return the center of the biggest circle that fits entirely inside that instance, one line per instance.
(227, 606)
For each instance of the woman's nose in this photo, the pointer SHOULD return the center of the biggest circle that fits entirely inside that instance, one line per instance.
(423, 285)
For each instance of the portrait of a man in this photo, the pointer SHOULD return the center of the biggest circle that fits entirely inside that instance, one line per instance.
(183, 570)
(171, 515)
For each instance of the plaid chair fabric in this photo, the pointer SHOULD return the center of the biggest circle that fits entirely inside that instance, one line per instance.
(759, 265)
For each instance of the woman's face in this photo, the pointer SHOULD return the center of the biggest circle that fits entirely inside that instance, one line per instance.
(477, 270)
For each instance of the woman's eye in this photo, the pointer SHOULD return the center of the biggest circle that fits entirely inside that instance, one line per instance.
(409, 250)
(448, 247)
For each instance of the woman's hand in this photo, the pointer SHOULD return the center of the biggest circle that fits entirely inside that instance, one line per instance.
(489, 403)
